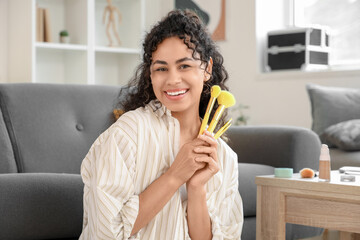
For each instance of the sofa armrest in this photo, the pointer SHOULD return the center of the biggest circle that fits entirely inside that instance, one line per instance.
(40, 206)
(277, 146)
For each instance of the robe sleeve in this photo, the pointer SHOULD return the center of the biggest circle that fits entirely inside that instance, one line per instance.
(224, 201)
(110, 203)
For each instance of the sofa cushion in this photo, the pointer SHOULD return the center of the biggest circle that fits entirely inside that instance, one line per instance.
(344, 135)
(7, 159)
(331, 105)
(53, 125)
(247, 186)
(41, 206)
(249, 228)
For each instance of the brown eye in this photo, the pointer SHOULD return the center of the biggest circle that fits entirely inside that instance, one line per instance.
(162, 69)
(184, 66)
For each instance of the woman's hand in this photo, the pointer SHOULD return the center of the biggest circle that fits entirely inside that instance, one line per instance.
(208, 155)
(185, 165)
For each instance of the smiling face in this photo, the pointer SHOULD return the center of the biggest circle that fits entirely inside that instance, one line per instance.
(177, 78)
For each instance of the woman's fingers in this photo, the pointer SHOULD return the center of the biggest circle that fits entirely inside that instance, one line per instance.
(212, 164)
(206, 150)
(210, 147)
(208, 138)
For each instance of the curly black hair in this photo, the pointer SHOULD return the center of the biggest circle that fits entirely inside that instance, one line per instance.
(187, 26)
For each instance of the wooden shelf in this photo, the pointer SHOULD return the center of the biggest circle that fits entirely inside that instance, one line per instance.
(118, 50)
(63, 46)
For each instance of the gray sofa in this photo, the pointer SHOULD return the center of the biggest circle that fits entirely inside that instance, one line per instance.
(46, 130)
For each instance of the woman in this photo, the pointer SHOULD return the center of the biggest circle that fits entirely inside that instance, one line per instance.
(150, 176)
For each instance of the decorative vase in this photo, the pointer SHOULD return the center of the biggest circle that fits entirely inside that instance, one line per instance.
(64, 39)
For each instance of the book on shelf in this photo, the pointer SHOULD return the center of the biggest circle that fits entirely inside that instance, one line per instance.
(39, 24)
(47, 28)
(43, 26)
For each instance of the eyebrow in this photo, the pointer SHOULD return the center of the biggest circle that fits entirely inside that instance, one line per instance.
(177, 61)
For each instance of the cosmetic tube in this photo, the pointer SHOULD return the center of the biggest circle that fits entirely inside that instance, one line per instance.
(324, 164)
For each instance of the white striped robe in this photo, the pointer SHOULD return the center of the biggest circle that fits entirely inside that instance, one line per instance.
(128, 157)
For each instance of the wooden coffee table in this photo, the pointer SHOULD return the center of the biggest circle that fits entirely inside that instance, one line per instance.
(330, 205)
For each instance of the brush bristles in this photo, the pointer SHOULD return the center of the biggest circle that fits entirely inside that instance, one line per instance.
(226, 98)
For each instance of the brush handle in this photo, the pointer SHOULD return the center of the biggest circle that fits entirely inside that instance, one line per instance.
(215, 120)
(223, 129)
(207, 115)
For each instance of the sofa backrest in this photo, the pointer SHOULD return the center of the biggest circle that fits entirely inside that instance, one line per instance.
(52, 126)
(7, 159)
(276, 146)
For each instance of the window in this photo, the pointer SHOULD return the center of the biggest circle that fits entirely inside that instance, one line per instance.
(342, 18)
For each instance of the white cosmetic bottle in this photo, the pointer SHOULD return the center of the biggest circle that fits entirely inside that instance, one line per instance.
(324, 164)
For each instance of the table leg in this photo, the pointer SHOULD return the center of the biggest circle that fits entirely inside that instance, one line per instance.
(270, 214)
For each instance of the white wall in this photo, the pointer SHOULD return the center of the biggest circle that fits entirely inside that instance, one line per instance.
(15, 40)
(3, 40)
(19, 40)
(155, 10)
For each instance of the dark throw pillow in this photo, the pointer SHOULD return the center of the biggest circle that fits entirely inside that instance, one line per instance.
(332, 105)
(344, 135)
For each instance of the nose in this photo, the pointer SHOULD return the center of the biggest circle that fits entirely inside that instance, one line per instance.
(174, 77)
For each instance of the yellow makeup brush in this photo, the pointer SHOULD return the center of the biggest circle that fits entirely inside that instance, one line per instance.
(225, 100)
(215, 91)
(223, 129)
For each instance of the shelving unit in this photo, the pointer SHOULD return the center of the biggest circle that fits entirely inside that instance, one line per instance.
(87, 59)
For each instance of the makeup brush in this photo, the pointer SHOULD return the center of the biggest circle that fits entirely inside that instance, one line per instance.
(215, 91)
(225, 100)
(223, 129)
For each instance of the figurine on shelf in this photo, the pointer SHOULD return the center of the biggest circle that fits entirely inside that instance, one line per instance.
(111, 22)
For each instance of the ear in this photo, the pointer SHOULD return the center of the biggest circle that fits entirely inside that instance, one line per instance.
(208, 71)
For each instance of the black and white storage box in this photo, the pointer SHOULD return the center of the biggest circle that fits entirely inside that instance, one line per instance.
(297, 48)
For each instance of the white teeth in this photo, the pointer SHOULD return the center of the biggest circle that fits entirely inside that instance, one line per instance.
(176, 93)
